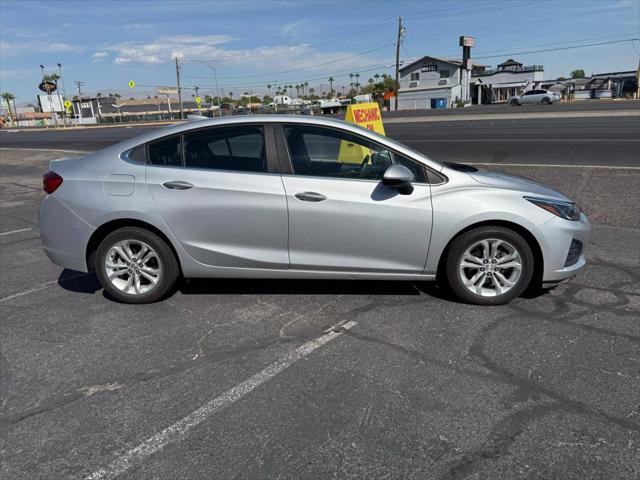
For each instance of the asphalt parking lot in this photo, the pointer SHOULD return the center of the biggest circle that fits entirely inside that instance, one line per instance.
(321, 379)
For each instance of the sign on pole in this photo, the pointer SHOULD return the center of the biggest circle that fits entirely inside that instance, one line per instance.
(67, 104)
(131, 84)
(166, 90)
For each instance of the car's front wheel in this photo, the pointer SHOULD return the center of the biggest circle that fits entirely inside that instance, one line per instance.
(135, 265)
(546, 101)
(489, 265)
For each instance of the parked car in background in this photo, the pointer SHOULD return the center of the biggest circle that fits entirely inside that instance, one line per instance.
(545, 97)
(277, 196)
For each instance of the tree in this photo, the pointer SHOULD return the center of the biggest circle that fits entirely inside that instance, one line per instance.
(7, 98)
(578, 73)
(331, 80)
(52, 77)
(266, 100)
(231, 95)
(305, 85)
(269, 88)
(99, 95)
(117, 95)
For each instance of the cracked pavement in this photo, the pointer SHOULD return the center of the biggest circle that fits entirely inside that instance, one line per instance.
(422, 387)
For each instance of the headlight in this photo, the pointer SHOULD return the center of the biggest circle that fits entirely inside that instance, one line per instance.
(566, 210)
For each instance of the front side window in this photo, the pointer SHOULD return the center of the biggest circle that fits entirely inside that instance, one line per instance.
(444, 73)
(415, 76)
(417, 169)
(325, 152)
(237, 148)
(166, 152)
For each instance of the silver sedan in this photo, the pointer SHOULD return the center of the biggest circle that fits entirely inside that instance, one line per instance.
(301, 197)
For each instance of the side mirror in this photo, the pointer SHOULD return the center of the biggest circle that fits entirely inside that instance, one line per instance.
(399, 177)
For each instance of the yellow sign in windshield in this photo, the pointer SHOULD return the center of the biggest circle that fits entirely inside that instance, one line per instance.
(366, 115)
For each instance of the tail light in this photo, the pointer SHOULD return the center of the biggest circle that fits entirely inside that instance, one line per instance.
(51, 181)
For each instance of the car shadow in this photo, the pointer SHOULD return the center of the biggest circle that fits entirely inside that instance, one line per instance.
(88, 283)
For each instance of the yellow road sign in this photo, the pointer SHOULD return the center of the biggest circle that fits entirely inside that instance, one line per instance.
(67, 104)
(198, 100)
(366, 115)
(131, 84)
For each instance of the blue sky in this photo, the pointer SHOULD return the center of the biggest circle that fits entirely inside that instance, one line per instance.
(252, 43)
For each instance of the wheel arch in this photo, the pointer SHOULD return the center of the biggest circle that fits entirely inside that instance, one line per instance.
(536, 250)
(106, 228)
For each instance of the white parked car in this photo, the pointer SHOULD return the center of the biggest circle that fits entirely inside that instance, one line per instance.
(545, 97)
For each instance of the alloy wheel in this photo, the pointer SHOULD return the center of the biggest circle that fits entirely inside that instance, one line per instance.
(490, 267)
(133, 267)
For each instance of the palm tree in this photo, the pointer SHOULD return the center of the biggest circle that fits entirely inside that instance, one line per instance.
(305, 85)
(312, 91)
(331, 80)
(371, 81)
(269, 88)
(51, 77)
(357, 80)
(377, 76)
(231, 95)
(7, 98)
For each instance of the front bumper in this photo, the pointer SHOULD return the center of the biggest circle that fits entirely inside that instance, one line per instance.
(64, 234)
(558, 235)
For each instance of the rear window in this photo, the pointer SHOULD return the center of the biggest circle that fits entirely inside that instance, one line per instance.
(237, 148)
(166, 152)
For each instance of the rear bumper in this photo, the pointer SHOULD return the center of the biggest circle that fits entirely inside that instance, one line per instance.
(64, 234)
(558, 234)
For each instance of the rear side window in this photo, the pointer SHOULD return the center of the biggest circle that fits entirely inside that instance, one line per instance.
(238, 148)
(138, 154)
(166, 152)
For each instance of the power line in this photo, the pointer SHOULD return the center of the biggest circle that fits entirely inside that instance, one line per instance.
(558, 48)
(314, 66)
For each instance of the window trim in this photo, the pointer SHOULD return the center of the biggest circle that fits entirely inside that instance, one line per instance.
(286, 157)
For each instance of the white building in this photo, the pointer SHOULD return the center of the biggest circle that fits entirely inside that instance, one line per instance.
(429, 83)
(436, 82)
(497, 85)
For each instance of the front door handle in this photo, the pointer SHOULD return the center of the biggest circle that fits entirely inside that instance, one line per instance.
(177, 185)
(310, 197)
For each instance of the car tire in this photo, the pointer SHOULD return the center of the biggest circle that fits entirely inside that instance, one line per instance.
(546, 101)
(514, 103)
(128, 278)
(503, 280)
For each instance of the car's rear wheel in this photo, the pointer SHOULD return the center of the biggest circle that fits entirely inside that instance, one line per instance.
(135, 265)
(514, 103)
(489, 265)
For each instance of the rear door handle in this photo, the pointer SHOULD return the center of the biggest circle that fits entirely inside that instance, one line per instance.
(177, 185)
(310, 197)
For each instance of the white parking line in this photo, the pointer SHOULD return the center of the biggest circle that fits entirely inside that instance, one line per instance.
(15, 231)
(496, 164)
(178, 430)
(31, 290)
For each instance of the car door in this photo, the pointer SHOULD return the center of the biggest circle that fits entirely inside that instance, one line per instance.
(527, 97)
(341, 216)
(216, 191)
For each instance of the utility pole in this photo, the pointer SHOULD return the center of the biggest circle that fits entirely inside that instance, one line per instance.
(400, 35)
(179, 89)
(79, 84)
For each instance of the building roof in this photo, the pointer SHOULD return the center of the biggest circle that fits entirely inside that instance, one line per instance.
(509, 62)
(450, 61)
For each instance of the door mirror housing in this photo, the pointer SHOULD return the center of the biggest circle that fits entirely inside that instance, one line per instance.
(400, 177)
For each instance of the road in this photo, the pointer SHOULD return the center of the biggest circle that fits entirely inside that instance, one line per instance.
(609, 141)
(240, 379)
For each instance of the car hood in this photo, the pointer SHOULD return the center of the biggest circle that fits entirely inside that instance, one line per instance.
(514, 182)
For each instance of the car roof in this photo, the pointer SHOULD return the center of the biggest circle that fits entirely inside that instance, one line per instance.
(273, 118)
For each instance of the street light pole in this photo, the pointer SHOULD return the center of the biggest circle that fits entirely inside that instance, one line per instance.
(179, 89)
(215, 81)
